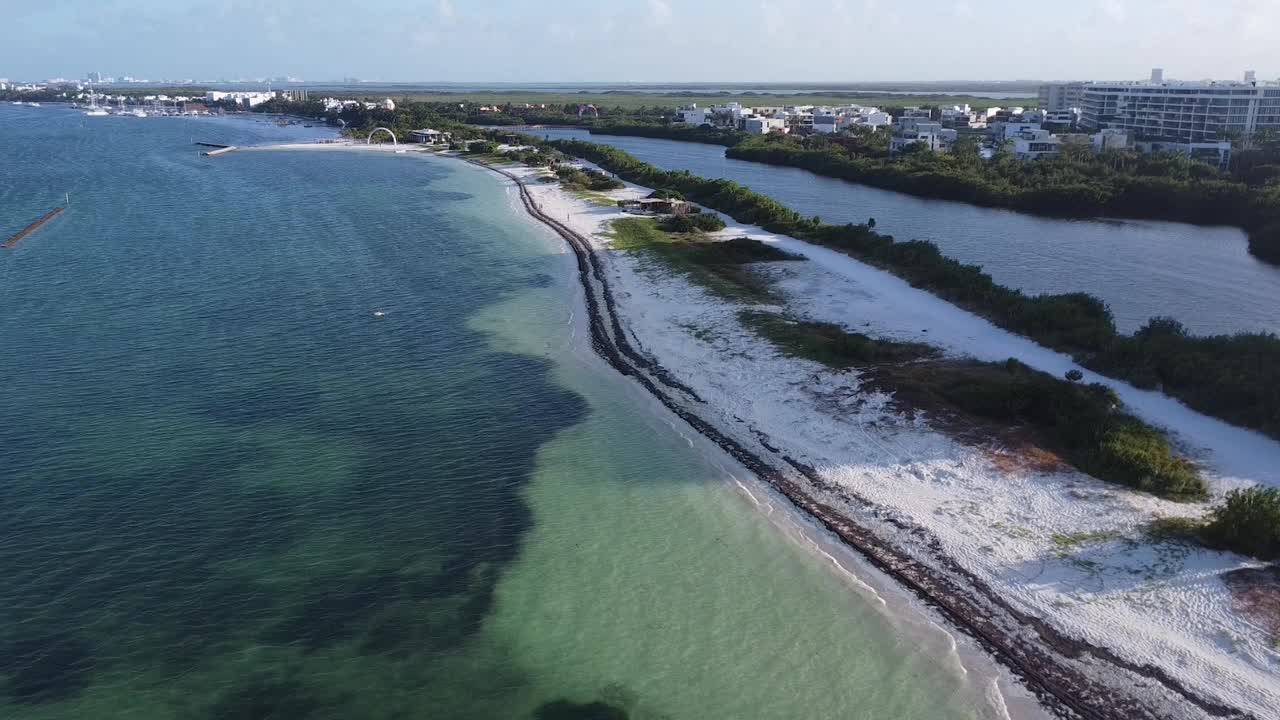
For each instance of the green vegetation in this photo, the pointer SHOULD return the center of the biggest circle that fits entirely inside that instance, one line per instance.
(1247, 523)
(693, 223)
(1236, 378)
(562, 107)
(716, 266)
(1083, 423)
(829, 344)
(1076, 183)
(1176, 529)
(482, 147)
(573, 178)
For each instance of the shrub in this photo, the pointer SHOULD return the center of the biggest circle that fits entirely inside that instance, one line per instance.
(482, 147)
(1247, 523)
(696, 222)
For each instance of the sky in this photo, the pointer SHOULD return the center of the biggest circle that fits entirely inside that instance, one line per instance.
(639, 40)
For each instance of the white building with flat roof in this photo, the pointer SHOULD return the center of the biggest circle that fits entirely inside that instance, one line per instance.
(1061, 96)
(764, 125)
(1035, 144)
(1182, 112)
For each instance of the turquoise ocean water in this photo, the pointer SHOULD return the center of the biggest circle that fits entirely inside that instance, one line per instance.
(229, 490)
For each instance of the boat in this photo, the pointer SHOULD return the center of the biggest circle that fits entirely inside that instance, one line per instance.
(95, 110)
(34, 104)
(139, 113)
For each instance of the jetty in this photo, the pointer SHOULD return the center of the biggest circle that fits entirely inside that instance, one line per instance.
(32, 227)
(218, 148)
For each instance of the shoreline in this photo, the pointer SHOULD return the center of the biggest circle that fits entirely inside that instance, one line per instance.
(1065, 659)
(1045, 662)
(1059, 688)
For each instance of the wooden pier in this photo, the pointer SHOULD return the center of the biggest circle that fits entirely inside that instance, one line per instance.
(32, 227)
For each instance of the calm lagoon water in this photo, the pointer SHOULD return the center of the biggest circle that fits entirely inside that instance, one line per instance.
(228, 490)
(1203, 276)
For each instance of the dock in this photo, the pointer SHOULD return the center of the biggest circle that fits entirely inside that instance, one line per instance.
(32, 227)
(218, 148)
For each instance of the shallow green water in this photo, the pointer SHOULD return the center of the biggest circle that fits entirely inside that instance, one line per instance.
(229, 491)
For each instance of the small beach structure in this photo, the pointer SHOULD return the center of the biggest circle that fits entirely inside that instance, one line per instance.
(427, 136)
(659, 206)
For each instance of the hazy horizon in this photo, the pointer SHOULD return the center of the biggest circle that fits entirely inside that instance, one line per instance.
(637, 41)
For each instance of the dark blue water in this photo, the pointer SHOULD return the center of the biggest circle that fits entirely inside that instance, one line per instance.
(209, 443)
(1203, 276)
(229, 490)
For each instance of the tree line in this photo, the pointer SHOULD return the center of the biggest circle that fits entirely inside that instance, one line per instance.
(1232, 377)
(1075, 183)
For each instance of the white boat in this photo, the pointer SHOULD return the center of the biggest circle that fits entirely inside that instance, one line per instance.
(34, 104)
(97, 112)
(139, 113)
(17, 102)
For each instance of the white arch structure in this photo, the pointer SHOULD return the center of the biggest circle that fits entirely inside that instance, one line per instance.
(369, 140)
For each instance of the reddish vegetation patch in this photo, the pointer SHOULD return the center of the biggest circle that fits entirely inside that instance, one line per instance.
(1024, 455)
(1255, 593)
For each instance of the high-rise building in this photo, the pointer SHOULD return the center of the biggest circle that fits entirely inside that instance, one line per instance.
(94, 77)
(1061, 96)
(1182, 112)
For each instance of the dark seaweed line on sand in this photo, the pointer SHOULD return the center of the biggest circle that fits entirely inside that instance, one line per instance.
(1062, 688)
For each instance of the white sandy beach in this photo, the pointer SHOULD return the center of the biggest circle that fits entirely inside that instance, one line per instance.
(1160, 604)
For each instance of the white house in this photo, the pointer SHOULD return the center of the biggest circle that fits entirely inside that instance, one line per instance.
(428, 136)
(763, 125)
(1002, 131)
(1035, 144)
(916, 131)
(692, 115)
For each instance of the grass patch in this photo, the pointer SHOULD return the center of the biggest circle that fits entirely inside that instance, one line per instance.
(1076, 539)
(717, 266)
(595, 198)
(828, 343)
(1176, 529)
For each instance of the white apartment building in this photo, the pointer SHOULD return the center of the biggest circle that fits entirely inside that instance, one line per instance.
(1109, 139)
(1064, 118)
(1061, 96)
(1035, 144)
(1182, 112)
(247, 99)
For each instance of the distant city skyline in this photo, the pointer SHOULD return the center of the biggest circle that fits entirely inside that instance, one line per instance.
(574, 41)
